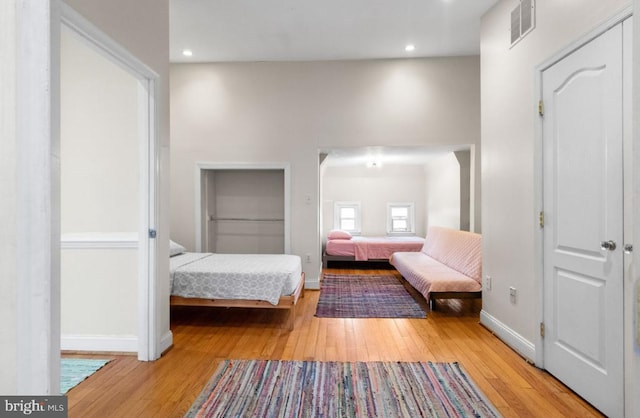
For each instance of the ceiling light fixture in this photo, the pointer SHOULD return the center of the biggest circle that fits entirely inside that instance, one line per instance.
(410, 48)
(187, 52)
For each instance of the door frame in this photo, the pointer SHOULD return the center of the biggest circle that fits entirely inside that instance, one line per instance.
(538, 179)
(201, 166)
(148, 341)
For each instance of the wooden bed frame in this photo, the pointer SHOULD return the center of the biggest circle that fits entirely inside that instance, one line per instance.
(286, 302)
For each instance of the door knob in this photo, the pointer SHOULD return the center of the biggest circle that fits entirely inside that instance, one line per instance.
(628, 248)
(608, 245)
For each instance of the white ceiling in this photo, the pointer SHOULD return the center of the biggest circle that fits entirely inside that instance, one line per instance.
(313, 30)
(383, 156)
(304, 30)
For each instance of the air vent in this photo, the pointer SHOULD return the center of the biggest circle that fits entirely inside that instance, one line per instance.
(522, 20)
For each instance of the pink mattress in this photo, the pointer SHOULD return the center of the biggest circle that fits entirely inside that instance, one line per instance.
(373, 248)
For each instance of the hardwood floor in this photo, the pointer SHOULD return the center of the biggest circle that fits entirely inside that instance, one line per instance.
(204, 336)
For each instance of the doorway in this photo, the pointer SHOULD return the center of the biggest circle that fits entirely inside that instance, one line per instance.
(242, 208)
(108, 194)
(583, 223)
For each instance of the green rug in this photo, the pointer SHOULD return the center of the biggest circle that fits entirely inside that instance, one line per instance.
(75, 370)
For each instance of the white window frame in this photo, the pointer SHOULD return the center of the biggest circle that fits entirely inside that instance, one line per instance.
(337, 221)
(410, 218)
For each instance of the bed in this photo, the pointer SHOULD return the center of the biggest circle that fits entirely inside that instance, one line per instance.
(342, 246)
(272, 281)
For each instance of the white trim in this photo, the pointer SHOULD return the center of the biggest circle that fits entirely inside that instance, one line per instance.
(411, 218)
(514, 340)
(203, 165)
(149, 162)
(98, 343)
(538, 163)
(37, 275)
(166, 341)
(122, 240)
(313, 283)
(337, 219)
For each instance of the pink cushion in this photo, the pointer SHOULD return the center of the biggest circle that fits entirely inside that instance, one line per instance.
(338, 234)
(427, 275)
(460, 250)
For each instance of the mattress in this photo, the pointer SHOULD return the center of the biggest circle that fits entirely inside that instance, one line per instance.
(373, 248)
(263, 277)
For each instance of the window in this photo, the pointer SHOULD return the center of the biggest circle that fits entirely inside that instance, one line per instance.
(400, 219)
(347, 216)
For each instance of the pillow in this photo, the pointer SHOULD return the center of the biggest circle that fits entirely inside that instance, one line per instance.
(175, 248)
(338, 234)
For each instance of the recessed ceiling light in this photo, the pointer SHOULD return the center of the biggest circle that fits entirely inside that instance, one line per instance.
(187, 52)
(410, 48)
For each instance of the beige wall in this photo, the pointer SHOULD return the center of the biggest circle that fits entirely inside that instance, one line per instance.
(374, 188)
(443, 192)
(286, 112)
(99, 153)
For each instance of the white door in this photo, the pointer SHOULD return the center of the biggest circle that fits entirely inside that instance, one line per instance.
(583, 231)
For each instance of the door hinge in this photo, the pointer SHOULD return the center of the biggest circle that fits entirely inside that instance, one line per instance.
(542, 329)
(541, 219)
(152, 233)
(540, 108)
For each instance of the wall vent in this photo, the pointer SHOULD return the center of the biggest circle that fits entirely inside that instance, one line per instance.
(523, 20)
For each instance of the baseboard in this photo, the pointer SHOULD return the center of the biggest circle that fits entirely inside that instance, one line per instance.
(514, 340)
(313, 284)
(166, 342)
(99, 343)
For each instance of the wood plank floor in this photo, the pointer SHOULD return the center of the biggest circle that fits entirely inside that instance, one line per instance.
(204, 336)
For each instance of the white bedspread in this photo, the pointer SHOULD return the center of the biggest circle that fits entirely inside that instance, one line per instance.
(235, 276)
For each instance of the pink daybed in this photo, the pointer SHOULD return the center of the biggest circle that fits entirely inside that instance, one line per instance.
(449, 266)
(344, 247)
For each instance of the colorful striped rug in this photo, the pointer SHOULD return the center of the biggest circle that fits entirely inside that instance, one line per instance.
(75, 370)
(266, 388)
(366, 296)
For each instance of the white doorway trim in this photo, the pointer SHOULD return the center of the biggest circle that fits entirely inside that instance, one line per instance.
(147, 341)
(201, 166)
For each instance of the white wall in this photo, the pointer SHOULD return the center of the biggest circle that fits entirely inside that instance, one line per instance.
(374, 188)
(8, 204)
(99, 152)
(285, 112)
(29, 267)
(256, 195)
(443, 192)
(509, 100)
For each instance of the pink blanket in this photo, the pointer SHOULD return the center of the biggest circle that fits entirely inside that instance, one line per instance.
(373, 248)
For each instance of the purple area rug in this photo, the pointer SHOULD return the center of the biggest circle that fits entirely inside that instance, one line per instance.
(272, 388)
(366, 296)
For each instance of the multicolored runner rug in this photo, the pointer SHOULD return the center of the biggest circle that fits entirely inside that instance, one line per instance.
(265, 388)
(75, 370)
(366, 296)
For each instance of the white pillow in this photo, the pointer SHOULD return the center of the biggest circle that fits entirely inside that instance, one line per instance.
(175, 248)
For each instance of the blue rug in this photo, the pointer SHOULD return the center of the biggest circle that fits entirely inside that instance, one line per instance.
(75, 370)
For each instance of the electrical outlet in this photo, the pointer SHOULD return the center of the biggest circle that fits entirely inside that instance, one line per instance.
(512, 294)
(307, 258)
(487, 282)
